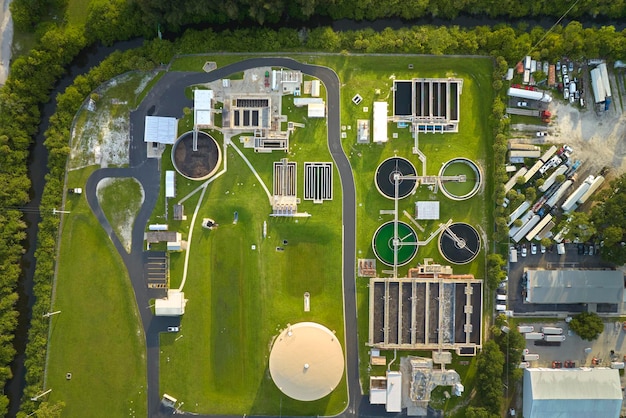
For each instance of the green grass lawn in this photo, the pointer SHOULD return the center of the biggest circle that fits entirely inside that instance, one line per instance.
(241, 298)
(76, 12)
(97, 336)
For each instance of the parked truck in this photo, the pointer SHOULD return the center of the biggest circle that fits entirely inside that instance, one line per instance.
(548, 154)
(552, 330)
(559, 193)
(518, 211)
(529, 94)
(571, 202)
(552, 178)
(597, 182)
(554, 338)
(525, 328)
(545, 115)
(531, 357)
(533, 336)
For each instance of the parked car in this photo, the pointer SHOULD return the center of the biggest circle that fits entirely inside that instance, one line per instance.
(522, 104)
(524, 252)
(543, 249)
(571, 66)
(542, 133)
(558, 65)
(533, 248)
(173, 329)
(581, 249)
(591, 250)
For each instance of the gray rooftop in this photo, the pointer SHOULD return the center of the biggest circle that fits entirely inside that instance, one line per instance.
(575, 286)
(572, 393)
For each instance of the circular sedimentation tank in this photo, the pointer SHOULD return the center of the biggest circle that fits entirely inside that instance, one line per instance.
(459, 243)
(383, 243)
(386, 175)
(460, 190)
(200, 164)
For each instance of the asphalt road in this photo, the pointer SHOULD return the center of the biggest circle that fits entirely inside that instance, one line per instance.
(167, 98)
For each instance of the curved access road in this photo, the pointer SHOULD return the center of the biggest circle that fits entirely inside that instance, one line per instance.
(167, 98)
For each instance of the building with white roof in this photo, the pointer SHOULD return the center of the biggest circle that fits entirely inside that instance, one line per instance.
(170, 184)
(202, 104)
(394, 392)
(315, 88)
(427, 210)
(172, 305)
(316, 110)
(572, 393)
(161, 130)
(380, 122)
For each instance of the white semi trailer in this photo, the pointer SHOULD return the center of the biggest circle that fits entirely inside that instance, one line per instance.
(597, 182)
(530, 94)
(552, 178)
(571, 202)
(559, 193)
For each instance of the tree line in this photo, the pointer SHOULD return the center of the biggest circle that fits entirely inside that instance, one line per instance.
(173, 15)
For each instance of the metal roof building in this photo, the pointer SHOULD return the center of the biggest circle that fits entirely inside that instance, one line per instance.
(572, 393)
(172, 305)
(163, 130)
(575, 286)
(597, 85)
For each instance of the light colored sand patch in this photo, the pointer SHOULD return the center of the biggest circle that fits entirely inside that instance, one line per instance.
(144, 82)
(126, 218)
(6, 40)
(101, 140)
(597, 139)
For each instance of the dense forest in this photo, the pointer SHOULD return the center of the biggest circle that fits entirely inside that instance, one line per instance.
(172, 15)
(34, 74)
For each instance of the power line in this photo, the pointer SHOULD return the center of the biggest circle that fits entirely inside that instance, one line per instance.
(553, 26)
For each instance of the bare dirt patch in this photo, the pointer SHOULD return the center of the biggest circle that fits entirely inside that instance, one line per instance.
(598, 139)
(101, 132)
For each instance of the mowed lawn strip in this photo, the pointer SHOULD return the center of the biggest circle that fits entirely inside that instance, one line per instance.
(97, 336)
(240, 298)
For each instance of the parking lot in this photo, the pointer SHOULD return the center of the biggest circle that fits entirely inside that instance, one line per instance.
(548, 260)
(610, 346)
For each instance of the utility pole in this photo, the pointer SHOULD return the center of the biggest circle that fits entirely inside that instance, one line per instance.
(40, 395)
